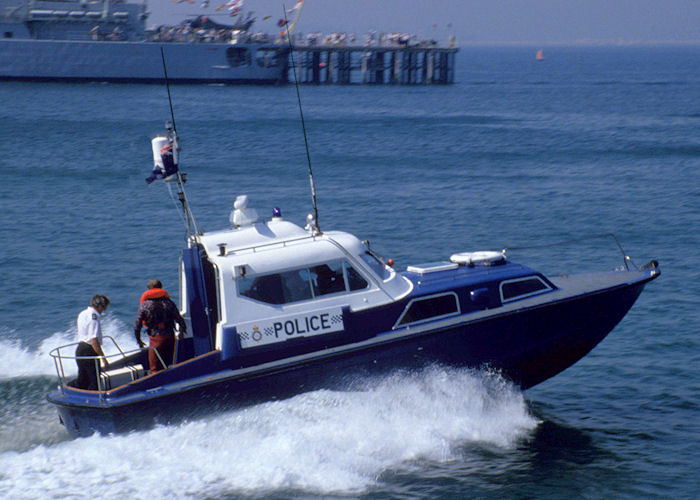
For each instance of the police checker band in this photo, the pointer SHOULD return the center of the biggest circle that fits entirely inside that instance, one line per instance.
(274, 309)
(279, 330)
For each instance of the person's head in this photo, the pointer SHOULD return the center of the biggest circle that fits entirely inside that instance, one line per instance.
(154, 284)
(99, 303)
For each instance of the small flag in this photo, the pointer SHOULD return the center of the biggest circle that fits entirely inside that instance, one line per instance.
(163, 159)
(231, 5)
(296, 6)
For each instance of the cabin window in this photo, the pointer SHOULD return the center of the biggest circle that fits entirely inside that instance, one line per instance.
(328, 278)
(376, 265)
(278, 288)
(302, 284)
(522, 287)
(437, 306)
(8, 34)
(355, 280)
(237, 56)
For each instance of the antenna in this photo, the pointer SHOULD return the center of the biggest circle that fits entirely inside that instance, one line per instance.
(180, 178)
(167, 86)
(303, 125)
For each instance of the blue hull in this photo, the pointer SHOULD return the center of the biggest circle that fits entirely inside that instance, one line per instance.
(527, 345)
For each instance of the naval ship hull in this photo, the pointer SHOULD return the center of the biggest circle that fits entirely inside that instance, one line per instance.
(137, 62)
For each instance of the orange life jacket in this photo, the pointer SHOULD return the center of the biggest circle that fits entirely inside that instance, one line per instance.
(154, 293)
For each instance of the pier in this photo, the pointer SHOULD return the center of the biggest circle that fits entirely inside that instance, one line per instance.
(397, 65)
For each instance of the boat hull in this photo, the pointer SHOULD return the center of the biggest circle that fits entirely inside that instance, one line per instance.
(527, 345)
(129, 62)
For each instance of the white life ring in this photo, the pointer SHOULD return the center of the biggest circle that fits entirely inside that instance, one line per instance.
(485, 257)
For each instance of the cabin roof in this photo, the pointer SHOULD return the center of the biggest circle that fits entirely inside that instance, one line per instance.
(252, 236)
(277, 245)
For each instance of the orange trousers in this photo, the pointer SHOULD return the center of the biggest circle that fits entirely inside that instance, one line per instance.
(165, 344)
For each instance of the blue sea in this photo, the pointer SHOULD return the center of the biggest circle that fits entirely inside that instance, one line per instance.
(516, 153)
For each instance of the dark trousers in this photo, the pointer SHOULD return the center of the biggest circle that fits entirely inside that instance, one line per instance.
(88, 369)
(165, 344)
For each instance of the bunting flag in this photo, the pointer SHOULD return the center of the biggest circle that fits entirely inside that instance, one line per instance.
(296, 6)
(231, 5)
(266, 18)
(180, 1)
(281, 23)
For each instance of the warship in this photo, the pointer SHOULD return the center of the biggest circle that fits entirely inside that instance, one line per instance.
(107, 40)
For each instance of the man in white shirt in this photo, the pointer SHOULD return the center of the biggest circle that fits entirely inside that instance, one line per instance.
(90, 337)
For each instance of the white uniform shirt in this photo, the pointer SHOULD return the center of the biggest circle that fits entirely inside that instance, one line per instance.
(89, 326)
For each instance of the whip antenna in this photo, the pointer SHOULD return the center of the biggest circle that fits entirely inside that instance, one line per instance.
(177, 176)
(167, 86)
(303, 125)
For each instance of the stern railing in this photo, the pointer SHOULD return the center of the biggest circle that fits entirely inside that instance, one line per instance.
(59, 357)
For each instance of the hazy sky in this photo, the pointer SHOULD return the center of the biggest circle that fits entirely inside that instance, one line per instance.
(475, 21)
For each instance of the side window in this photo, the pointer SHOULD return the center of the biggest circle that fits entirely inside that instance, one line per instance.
(289, 286)
(263, 288)
(302, 284)
(297, 285)
(430, 308)
(521, 288)
(355, 281)
(327, 278)
(376, 265)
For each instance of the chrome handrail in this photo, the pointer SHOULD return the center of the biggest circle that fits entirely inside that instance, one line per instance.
(58, 358)
(625, 258)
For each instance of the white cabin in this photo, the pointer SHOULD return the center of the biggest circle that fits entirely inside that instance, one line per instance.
(276, 280)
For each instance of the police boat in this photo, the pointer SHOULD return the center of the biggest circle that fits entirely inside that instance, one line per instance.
(275, 309)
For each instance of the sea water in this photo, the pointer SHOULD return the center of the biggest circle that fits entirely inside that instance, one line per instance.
(516, 153)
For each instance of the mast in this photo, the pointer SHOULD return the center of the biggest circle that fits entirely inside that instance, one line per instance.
(166, 155)
(312, 222)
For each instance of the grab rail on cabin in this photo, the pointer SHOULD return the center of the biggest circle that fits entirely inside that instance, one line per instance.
(282, 244)
(58, 358)
(626, 259)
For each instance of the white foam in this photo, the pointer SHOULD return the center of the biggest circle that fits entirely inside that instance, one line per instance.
(322, 442)
(18, 360)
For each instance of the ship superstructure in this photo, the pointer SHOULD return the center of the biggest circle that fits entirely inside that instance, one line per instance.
(107, 40)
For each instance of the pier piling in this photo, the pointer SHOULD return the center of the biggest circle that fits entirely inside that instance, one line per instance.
(375, 65)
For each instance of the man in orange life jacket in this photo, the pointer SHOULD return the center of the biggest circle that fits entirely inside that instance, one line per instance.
(158, 314)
